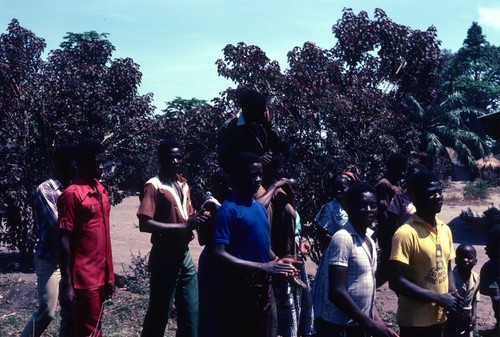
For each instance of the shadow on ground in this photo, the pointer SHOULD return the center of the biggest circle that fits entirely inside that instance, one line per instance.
(465, 233)
(10, 262)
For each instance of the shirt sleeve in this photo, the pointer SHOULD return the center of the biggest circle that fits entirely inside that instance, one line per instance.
(148, 201)
(450, 240)
(66, 204)
(342, 245)
(45, 207)
(401, 246)
(223, 222)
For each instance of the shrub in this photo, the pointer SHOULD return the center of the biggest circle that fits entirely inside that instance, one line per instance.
(137, 277)
(477, 189)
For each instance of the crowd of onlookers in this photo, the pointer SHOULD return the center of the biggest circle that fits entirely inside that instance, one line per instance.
(251, 278)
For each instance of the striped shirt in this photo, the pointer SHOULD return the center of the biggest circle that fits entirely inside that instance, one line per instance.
(347, 249)
(45, 214)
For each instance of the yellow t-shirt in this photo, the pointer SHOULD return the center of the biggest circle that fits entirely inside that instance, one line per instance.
(426, 250)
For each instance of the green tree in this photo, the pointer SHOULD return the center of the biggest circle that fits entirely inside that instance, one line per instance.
(181, 106)
(22, 159)
(336, 108)
(79, 92)
(444, 124)
(475, 71)
(91, 95)
(469, 88)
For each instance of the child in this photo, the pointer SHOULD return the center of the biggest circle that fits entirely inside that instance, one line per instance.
(490, 274)
(467, 284)
(242, 244)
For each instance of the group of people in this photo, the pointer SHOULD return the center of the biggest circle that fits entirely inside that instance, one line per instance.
(251, 280)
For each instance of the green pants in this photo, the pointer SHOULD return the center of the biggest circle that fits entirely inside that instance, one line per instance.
(173, 275)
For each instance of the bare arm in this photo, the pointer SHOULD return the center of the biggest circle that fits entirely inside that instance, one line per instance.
(67, 296)
(474, 315)
(269, 268)
(338, 294)
(148, 225)
(401, 285)
(452, 288)
(268, 196)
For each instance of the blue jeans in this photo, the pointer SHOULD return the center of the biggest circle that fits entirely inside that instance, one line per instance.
(48, 278)
(173, 274)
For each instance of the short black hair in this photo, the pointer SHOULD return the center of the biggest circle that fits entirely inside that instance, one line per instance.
(396, 159)
(241, 162)
(167, 145)
(63, 155)
(465, 246)
(86, 149)
(419, 181)
(251, 102)
(355, 191)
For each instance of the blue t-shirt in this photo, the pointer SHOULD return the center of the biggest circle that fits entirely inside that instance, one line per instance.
(242, 225)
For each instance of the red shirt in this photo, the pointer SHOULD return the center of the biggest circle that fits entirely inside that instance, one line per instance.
(84, 211)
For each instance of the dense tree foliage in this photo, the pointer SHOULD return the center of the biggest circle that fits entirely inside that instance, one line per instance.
(21, 156)
(89, 95)
(380, 88)
(475, 71)
(334, 107)
(377, 90)
(78, 92)
(468, 88)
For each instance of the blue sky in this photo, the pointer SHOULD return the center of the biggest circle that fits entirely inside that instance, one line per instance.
(176, 42)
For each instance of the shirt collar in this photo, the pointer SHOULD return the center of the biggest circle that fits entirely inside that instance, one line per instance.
(85, 188)
(56, 184)
(418, 220)
(350, 228)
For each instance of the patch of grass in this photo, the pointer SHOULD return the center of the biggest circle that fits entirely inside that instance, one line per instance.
(454, 197)
(123, 316)
(477, 189)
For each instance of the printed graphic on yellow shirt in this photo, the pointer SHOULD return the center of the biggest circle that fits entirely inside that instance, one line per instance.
(438, 274)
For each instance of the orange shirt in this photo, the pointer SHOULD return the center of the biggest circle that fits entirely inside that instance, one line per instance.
(84, 212)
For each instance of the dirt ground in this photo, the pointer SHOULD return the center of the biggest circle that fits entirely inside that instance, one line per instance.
(128, 241)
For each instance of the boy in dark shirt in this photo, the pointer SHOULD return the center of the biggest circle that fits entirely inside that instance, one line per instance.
(242, 243)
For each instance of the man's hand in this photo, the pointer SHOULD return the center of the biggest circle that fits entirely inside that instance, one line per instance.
(198, 219)
(279, 268)
(305, 247)
(451, 303)
(292, 261)
(267, 157)
(472, 325)
(109, 291)
(67, 296)
(380, 329)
